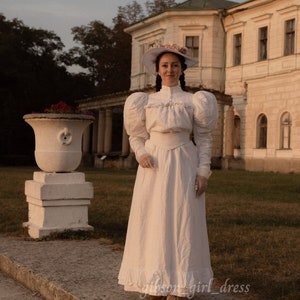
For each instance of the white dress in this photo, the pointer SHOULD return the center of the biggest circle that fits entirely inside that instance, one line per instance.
(166, 249)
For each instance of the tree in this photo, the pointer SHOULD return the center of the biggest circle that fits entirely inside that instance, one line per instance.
(129, 14)
(94, 53)
(158, 6)
(126, 16)
(31, 71)
(32, 76)
(97, 53)
(106, 52)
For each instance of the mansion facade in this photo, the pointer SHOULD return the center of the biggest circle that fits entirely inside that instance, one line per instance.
(248, 56)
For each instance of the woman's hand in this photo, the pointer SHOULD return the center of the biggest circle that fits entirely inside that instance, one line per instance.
(201, 185)
(146, 161)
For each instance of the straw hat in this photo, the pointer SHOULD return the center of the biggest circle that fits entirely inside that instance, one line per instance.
(156, 49)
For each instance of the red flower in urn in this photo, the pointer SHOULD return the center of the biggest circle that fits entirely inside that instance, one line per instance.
(62, 108)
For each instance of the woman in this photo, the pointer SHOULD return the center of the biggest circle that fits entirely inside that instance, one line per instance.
(166, 252)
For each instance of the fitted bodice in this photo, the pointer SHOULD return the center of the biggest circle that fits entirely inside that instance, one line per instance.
(172, 110)
(169, 110)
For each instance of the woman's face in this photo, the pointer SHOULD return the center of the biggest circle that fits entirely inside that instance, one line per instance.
(169, 69)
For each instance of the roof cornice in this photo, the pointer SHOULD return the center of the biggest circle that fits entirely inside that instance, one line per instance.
(248, 5)
(169, 14)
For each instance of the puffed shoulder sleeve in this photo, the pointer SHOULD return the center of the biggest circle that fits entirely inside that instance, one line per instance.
(134, 122)
(205, 120)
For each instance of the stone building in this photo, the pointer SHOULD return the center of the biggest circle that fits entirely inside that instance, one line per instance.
(263, 78)
(248, 57)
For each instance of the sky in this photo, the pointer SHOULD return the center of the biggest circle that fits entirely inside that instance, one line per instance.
(61, 15)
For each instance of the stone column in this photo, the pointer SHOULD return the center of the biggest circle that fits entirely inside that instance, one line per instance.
(229, 127)
(101, 128)
(108, 130)
(125, 143)
(86, 140)
(95, 135)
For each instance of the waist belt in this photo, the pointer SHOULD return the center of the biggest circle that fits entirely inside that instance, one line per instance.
(169, 140)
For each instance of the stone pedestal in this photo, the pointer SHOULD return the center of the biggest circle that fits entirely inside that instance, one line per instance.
(57, 202)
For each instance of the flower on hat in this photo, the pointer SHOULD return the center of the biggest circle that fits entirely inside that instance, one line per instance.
(173, 47)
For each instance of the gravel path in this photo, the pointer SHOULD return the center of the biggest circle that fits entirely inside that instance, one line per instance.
(75, 269)
(12, 290)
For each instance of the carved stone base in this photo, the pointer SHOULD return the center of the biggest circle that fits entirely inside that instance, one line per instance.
(57, 202)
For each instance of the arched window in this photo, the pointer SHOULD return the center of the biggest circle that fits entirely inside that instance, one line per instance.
(285, 131)
(262, 127)
(237, 133)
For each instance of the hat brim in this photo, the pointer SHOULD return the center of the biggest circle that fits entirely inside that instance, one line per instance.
(151, 55)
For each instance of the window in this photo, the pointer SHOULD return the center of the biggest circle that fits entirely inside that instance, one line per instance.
(192, 43)
(289, 43)
(237, 49)
(263, 43)
(262, 126)
(285, 131)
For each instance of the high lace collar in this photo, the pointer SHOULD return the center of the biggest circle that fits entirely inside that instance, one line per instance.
(170, 90)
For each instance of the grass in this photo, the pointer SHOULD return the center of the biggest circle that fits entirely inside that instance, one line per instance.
(254, 228)
(253, 222)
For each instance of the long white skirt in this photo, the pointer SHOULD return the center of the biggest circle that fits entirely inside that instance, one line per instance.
(166, 249)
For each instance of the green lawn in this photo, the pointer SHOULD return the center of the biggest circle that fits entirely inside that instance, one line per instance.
(253, 222)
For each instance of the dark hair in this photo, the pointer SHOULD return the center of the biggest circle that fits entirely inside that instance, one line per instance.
(182, 76)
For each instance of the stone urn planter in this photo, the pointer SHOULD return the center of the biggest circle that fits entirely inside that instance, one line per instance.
(58, 139)
(57, 197)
